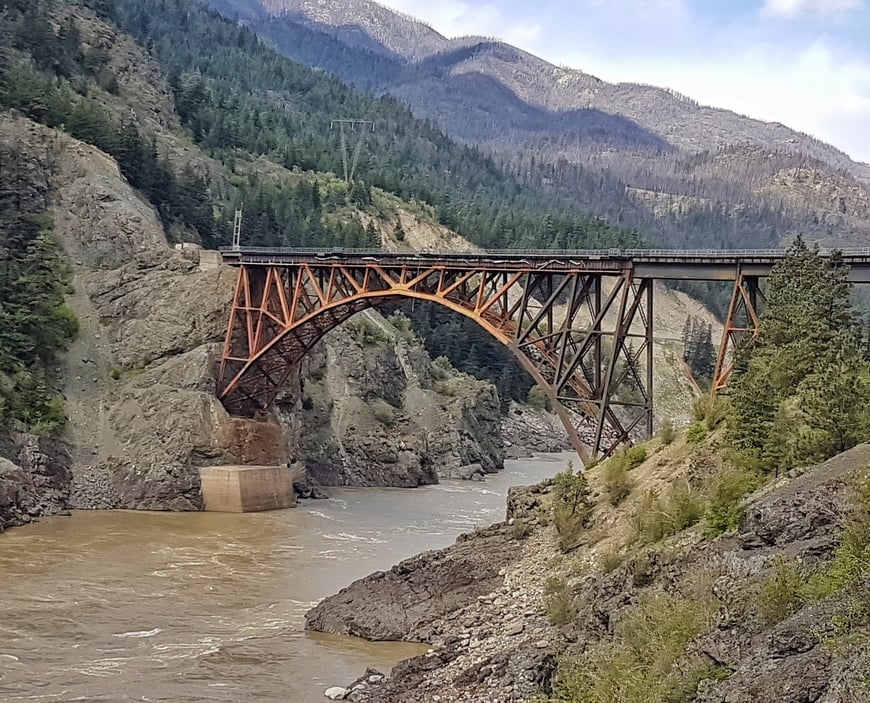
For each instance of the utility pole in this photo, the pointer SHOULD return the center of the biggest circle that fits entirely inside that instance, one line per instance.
(346, 125)
(237, 230)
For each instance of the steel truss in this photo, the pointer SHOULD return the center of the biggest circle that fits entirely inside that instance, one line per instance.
(585, 337)
(742, 320)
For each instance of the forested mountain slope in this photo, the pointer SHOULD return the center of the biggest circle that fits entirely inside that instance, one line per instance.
(639, 155)
(233, 93)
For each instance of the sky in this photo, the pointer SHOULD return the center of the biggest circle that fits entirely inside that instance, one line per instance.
(805, 63)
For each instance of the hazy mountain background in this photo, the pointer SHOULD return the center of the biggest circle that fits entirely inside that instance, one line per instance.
(641, 156)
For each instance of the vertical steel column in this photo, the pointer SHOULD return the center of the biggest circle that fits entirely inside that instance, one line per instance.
(742, 319)
(753, 292)
(618, 334)
(650, 357)
(596, 331)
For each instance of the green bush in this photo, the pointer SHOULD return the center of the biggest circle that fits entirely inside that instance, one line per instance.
(647, 661)
(442, 363)
(559, 601)
(685, 506)
(781, 593)
(667, 433)
(617, 482)
(539, 399)
(696, 433)
(366, 332)
(725, 492)
(710, 409)
(657, 517)
(635, 456)
(402, 324)
(649, 519)
(571, 506)
(441, 368)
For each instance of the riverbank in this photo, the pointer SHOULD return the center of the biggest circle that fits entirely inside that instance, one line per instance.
(508, 615)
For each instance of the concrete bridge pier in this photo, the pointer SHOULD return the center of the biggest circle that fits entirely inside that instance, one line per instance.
(247, 489)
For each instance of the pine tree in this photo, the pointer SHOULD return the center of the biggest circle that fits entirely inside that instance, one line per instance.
(799, 389)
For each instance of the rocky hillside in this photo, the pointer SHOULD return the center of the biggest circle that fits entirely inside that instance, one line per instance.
(775, 611)
(638, 154)
(139, 381)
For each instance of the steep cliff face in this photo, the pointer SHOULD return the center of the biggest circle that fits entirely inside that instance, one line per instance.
(34, 480)
(139, 381)
(375, 413)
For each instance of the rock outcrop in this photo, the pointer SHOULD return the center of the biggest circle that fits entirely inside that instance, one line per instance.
(34, 481)
(372, 413)
(405, 602)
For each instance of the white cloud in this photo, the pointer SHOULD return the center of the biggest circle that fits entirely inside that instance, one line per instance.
(454, 18)
(790, 9)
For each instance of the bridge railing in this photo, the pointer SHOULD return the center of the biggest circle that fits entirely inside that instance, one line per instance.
(742, 254)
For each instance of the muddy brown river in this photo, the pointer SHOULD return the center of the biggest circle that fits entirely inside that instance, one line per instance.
(126, 606)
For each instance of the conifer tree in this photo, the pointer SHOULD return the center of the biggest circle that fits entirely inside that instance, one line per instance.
(799, 389)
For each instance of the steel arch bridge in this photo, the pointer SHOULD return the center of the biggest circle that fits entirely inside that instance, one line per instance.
(580, 322)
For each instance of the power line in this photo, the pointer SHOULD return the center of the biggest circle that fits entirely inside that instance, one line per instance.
(345, 125)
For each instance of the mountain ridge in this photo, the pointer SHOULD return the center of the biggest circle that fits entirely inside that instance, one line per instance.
(330, 16)
(606, 145)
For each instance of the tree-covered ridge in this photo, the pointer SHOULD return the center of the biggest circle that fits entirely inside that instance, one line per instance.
(236, 94)
(49, 76)
(800, 392)
(238, 99)
(35, 325)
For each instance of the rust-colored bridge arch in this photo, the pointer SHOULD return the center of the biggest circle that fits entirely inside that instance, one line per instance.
(584, 336)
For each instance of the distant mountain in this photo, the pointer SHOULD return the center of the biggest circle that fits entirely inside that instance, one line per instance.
(637, 154)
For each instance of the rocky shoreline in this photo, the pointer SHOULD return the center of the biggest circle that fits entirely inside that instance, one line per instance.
(478, 604)
(528, 431)
(35, 481)
(485, 605)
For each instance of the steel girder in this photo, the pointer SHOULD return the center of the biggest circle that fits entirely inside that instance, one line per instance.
(742, 320)
(585, 337)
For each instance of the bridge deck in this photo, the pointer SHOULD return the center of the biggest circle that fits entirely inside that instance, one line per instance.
(670, 264)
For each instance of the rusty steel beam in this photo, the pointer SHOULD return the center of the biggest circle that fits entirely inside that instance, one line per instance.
(740, 323)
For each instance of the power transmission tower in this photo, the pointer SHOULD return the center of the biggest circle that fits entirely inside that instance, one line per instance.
(237, 230)
(362, 127)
